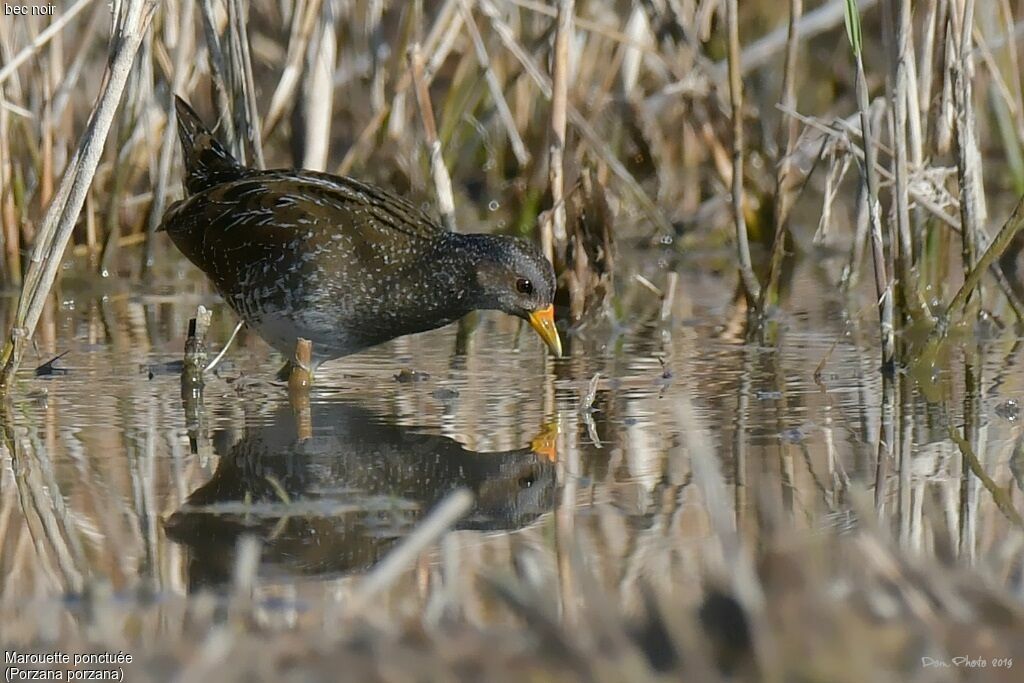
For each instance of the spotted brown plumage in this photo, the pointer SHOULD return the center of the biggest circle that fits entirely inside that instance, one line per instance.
(342, 263)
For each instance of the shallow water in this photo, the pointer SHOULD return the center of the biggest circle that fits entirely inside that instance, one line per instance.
(108, 476)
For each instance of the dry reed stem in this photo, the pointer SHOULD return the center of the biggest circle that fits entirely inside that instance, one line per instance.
(429, 531)
(1012, 226)
(219, 77)
(433, 45)
(929, 45)
(784, 181)
(883, 288)
(821, 19)
(494, 86)
(897, 86)
(303, 24)
(553, 229)
(843, 130)
(439, 173)
(45, 36)
(968, 156)
(240, 74)
(1015, 70)
(182, 51)
(584, 24)
(59, 222)
(8, 210)
(319, 94)
(751, 287)
(593, 138)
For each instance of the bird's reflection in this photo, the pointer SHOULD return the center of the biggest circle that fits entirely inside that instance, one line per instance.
(336, 501)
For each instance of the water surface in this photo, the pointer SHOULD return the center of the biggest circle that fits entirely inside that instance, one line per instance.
(108, 477)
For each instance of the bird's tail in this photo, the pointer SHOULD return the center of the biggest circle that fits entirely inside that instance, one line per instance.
(207, 162)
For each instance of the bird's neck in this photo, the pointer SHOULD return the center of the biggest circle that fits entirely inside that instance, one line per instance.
(473, 251)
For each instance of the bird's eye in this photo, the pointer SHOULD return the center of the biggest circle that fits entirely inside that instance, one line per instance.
(524, 286)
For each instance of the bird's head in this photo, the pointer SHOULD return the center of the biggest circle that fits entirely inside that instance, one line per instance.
(516, 278)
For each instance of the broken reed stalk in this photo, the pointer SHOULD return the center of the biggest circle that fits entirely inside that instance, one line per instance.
(301, 376)
(438, 171)
(552, 230)
(751, 286)
(784, 179)
(882, 288)
(130, 26)
(195, 353)
(299, 381)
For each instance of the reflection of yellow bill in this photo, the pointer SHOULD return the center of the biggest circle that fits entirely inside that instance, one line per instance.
(544, 322)
(545, 444)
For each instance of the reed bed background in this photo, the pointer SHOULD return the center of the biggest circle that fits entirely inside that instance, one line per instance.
(882, 140)
(517, 101)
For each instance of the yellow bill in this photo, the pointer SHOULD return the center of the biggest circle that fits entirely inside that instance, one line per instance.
(543, 321)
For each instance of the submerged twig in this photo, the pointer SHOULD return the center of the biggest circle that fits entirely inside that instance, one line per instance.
(227, 345)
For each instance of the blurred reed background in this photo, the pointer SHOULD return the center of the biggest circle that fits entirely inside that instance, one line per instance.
(654, 103)
(860, 161)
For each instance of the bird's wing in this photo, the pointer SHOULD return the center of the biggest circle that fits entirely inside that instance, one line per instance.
(267, 215)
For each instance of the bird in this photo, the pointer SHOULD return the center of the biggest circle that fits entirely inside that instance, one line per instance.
(340, 262)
